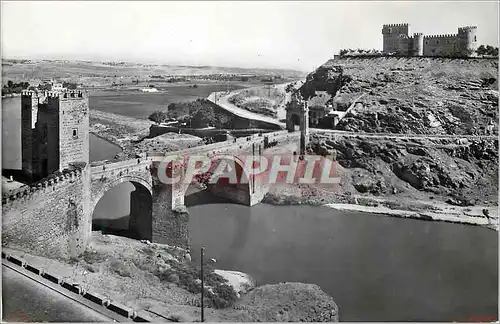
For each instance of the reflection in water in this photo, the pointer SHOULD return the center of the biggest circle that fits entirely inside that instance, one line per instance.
(242, 221)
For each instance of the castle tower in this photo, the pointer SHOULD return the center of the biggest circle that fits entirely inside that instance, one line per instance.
(418, 44)
(392, 36)
(467, 40)
(29, 115)
(63, 128)
(304, 128)
(297, 112)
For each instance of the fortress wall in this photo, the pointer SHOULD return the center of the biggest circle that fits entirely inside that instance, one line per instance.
(48, 218)
(441, 45)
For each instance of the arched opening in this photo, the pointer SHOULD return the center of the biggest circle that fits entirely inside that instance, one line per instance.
(295, 119)
(293, 122)
(125, 210)
(232, 187)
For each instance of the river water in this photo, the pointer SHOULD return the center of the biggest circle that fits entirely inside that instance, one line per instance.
(376, 268)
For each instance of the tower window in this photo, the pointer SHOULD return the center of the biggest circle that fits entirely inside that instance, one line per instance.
(390, 30)
(475, 39)
(426, 43)
(437, 42)
(75, 132)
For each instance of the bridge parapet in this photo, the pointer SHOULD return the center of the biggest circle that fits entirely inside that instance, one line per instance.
(138, 163)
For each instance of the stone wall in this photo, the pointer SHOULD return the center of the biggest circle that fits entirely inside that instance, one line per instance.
(48, 218)
(73, 129)
(441, 45)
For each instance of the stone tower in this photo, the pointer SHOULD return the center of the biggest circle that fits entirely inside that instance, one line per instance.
(392, 36)
(418, 44)
(297, 112)
(29, 115)
(57, 126)
(467, 40)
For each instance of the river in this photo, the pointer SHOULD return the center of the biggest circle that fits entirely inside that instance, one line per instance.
(376, 268)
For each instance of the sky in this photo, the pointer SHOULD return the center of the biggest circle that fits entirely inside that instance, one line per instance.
(282, 34)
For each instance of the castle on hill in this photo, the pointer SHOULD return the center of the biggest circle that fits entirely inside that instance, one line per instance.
(397, 40)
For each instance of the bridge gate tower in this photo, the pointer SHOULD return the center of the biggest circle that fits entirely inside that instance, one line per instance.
(297, 112)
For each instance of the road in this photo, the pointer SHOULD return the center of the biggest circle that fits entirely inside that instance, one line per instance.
(25, 300)
(222, 101)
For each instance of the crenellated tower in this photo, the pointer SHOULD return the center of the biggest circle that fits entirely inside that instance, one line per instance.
(55, 131)
(392, 35)
(297, 112)
(467, 40)
(418, 44)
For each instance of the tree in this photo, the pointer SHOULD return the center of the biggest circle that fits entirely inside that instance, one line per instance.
(481, 50)
(158, 117)
(487, 50)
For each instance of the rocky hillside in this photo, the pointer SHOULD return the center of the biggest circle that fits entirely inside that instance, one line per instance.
(458, 171)
(413, 95)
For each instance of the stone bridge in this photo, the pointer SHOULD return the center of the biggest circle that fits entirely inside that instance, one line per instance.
(53, 217)
(157, 209)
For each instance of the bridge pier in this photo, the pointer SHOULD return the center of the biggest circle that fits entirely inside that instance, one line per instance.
(169, 215)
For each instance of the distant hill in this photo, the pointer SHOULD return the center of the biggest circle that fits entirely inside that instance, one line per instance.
(22, 69)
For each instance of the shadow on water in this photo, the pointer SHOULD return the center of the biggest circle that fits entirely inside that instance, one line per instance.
(241, 222)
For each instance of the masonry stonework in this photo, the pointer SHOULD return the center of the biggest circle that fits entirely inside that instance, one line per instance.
(396, 39)
(49, 217)
(52, 216)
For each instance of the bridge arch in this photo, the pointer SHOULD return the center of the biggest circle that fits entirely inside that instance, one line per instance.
(140, 212)
(239, 191)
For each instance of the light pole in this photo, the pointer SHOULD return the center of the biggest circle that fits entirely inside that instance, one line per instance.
(202, 286)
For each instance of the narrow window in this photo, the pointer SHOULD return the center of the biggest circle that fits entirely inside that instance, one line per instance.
(390, 30)
(426, 43)
(475, 39)
(75, 132)
(437, 42)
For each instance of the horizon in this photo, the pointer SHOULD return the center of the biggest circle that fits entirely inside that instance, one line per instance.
(153, 64)
(283, 35)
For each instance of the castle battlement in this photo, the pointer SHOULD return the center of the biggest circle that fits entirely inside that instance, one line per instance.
(67, 94)
(461, 44)
(52, 94)
(45, 185)
(396, 25)
(73, 94)
(441, 36)
(29, 93)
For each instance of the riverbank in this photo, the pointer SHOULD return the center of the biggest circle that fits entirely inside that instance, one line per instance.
(397, 207)
(161, 281)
